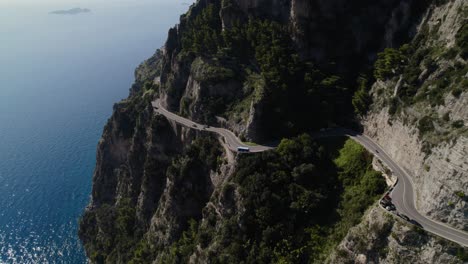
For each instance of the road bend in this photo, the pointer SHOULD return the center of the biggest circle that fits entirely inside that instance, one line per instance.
(402, 195)
(230, 139)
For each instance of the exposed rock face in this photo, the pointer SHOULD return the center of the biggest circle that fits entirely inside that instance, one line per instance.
(147, 175)
(151, 169)
(382, 238)
(363, 27)
(153, 176)
(437, 162)
(437, 177)
(350, 36)
(200, 89)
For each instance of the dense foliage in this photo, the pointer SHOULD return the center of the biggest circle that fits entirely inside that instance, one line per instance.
(298, 201)
(290, 198)
(418, 58)
(422, 74)
(264, 47)
(361, 98)
(112, 232)
(462, 39)
(201, 34)
(389, 63)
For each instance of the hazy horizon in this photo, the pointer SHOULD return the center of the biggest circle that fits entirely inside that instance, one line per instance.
(60, 76)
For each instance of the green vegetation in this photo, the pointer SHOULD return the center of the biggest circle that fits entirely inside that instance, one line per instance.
(411, 59)
(456, 92)
(201, 34)
(462, 40)
(425, 125)
(120, 235)
(389, 63)
(298, 201)
(117, 228)
(462, 254)
(415, 62)
(290, 196)
(361, 99)
(211, 72)
(460, 194)
(458, 124)
(260, 54)
(427, 167)
(180, 251)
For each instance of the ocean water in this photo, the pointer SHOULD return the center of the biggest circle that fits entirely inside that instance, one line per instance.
(59, 77)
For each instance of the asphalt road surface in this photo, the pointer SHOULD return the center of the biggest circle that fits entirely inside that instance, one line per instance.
(402, 195)
(230, 139)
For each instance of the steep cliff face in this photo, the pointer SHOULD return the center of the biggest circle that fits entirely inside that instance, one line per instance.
(213, 70)
(381, 238)
(268, 70)
(426, 132)
(146, 169)
(347, 29)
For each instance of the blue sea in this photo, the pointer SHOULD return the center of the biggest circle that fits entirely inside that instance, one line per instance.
(59, 78)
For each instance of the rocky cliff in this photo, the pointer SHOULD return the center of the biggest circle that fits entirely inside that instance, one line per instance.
(381, 238)
(216, 76)
(272, 70)
(427, 133)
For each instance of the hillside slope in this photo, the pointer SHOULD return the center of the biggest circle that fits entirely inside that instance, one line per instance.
(278, 71)
(419, 112)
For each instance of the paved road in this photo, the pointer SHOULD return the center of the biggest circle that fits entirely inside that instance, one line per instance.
(402, 195)
(230, 139)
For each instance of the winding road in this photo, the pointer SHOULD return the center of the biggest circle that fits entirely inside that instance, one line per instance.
(230, 139)
(402, 195)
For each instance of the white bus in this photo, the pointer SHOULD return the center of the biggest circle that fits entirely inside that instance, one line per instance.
(243, 149)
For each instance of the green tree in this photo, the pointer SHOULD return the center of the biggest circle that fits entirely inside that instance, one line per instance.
(389, 63)
(361, 98)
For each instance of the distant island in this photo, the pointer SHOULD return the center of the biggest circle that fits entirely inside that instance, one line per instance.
(73, 11)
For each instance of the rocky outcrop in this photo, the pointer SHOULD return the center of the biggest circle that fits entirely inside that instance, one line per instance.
(350, 36)
(346, 29)
(153, 177)
(382, 238)
(435, 159)
(438, 177)
(205, 91)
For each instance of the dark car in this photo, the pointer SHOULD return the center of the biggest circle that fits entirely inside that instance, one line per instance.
(385, 203)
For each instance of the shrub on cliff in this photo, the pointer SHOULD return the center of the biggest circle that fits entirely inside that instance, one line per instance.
(361, 98)
(462, 40)
(298, 205)
(389, 64)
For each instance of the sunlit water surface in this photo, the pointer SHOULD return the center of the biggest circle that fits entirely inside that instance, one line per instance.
(59, 77)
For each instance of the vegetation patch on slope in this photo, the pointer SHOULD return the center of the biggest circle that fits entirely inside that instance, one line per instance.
(299, 202)
(259, 54)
